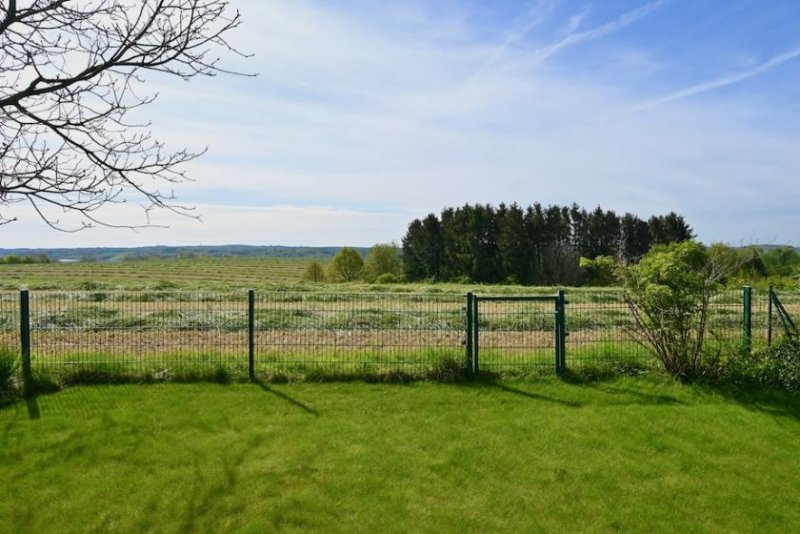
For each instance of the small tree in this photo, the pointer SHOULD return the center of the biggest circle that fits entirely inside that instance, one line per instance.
(314, 272)
(382, 259)
(601, 271)
(669, 292)
(346, 266)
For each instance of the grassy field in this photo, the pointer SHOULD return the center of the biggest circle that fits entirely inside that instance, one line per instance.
(207, 274)
(189, 273)
(626, 455)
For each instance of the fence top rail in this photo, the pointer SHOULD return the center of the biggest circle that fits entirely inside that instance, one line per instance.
(540, 298)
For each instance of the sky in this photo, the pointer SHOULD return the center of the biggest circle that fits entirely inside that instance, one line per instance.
(367, 114)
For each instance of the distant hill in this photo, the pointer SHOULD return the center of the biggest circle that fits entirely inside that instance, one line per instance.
(221, 251)
(769, 247)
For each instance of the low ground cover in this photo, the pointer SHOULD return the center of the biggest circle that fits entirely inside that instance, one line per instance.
(626, 454)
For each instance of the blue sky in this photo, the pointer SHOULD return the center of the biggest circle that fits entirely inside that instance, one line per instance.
(369, 114)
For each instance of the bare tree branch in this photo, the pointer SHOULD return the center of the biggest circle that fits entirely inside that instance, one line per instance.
(69, 73)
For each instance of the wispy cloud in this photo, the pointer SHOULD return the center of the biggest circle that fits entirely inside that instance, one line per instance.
(576, 37)
(717, 83)
(527, 21)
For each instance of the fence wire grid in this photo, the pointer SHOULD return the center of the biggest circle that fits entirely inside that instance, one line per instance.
(165, 333)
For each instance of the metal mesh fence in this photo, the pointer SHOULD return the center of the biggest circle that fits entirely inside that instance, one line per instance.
(600, 330)
(760, 319)
(341, 333)
(155, 333)
(516, 335)
(9, 319)
(169, 333)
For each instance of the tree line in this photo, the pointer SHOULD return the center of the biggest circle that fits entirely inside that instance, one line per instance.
(536, 245)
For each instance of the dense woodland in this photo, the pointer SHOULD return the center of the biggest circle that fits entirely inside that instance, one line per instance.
(535, 245)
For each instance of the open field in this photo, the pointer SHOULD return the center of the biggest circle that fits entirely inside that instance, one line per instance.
(204, 274)
(189, 273)
(626, 455)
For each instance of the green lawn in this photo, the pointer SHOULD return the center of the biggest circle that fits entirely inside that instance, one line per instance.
(630, 454)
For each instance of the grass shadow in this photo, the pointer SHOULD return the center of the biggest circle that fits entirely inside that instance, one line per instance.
(283, 396)
(605, 383)
(530, 395)
(755, 397)
(32, 404)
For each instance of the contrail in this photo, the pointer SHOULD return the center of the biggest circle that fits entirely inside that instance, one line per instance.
(710, 85)
(601, 31)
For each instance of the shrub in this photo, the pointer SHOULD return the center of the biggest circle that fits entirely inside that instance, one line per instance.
(314, 272)
(668, 293)
(389, 278)
(346, 266)
(381, 260)
(777, 367)
(601, 271)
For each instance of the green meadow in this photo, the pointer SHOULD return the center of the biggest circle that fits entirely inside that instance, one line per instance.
(645, 454)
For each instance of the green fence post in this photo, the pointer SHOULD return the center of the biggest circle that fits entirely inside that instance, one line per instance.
(561, 334)
(251, 334)
(25, 340)
(475, 337)
(468, 309)
(769, 316)
(747, 319)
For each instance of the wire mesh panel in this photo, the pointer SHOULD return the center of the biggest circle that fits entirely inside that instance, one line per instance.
(341, 333)
(516, 335)
(140, 333)
(725, 324)
(601, 331)
(9, 320)
(760, 319)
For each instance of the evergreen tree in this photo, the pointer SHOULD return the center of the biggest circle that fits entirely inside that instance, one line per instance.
(670, 228)
(535, 230)
(539, 245)
(482, 236)
(414, 262)
(514, 247)
(423, 249)
(634, 238)
(433, 246)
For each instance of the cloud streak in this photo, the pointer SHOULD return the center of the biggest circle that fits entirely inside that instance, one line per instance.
(718, 83)
(576, 37)
(526, 22)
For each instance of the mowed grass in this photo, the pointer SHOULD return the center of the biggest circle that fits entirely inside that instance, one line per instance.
(158, 274)
(629, 454)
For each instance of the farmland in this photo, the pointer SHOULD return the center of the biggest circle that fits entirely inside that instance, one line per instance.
(179, 273)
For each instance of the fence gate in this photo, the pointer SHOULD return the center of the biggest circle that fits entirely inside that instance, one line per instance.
(516, 334)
